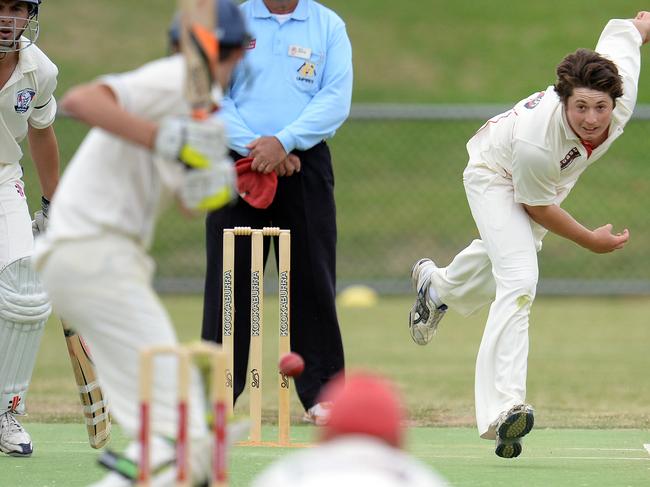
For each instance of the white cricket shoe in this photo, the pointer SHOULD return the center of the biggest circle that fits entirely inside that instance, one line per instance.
(318, 414)
(511, 426)
(426, 313)
(14, 440)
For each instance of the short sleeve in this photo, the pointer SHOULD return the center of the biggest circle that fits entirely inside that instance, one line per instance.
(44, 112)
(535, 178)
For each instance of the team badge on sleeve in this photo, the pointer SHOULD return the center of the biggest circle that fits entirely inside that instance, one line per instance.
(23, 99)
(533, 102)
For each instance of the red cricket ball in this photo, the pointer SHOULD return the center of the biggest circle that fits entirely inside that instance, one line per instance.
(291, 364)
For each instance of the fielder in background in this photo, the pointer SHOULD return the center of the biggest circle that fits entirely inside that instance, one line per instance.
(522, 165)
(27, 108)
(362, 444)
(142, 152)
(301, 64)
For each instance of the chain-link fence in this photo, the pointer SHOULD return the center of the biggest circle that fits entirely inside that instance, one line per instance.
(400, 197)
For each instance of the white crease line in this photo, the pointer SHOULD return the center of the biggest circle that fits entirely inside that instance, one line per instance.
(644, 459)
(647, 447)
(604, 449)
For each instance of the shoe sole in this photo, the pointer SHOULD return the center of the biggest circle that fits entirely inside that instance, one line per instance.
(16, 454)
(516, 425)
(508, 449)
(509, 434)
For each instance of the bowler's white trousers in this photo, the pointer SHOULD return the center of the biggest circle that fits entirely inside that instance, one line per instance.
(102, 288)
(500, 268)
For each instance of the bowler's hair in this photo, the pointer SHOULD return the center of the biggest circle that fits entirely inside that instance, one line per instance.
(587, 69)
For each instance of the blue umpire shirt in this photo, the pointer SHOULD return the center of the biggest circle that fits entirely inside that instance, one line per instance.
(299, 85)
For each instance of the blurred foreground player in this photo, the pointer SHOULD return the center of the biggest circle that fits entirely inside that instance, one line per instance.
(143, 151)
(361, 444)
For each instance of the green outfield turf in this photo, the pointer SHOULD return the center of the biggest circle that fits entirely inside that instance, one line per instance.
(588, 380)
(552, 457)
(588, 361)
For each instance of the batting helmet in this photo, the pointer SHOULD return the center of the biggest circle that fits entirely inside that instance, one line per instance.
(33, 6)
(29, 31)
(231, 27)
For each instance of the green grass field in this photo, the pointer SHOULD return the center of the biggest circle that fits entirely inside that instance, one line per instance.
(559, 458)
(588, 380)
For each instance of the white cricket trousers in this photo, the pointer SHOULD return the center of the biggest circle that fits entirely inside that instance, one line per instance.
(102, 288)
(16, 239)
(500, 268)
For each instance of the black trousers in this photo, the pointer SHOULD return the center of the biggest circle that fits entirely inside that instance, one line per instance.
(304, 204)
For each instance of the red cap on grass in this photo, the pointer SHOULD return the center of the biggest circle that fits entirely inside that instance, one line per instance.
(364, 403)
(256, 188)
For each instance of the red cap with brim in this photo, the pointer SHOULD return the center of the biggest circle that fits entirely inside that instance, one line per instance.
(365, 404)
(256, 188)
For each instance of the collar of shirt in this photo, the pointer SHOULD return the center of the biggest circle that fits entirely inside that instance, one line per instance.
(26, 64)
(261, 11)
(568, 131)
(26, 60)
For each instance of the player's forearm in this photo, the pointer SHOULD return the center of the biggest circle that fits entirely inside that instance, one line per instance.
(44, 149)
(95, 105)
(558, 221)
(620, 42)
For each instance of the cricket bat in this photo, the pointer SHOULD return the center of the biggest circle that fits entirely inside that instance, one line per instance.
(95, 407)
(200, 47)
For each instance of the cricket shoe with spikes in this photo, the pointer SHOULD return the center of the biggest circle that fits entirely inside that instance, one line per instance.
(14, 440)
(427, 312)
(511, 426)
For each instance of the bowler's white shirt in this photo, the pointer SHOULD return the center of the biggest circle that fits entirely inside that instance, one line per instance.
(533, 143)
(112, 185)
(26, 99)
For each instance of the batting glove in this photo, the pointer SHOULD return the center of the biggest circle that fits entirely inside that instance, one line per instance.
(209, 182)
(191, 142)
(209, 189)
(40, 222)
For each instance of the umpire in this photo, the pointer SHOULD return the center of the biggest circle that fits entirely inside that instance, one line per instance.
(294, 93)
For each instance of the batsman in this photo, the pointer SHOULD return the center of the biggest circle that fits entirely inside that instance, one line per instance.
(27, 110)
(144, 152)
(522, 165)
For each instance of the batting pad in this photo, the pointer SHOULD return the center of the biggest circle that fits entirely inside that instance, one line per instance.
(24, 309)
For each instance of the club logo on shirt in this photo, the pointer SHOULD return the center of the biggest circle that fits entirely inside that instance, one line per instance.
(307, 72)
(533, 102)
(251, 44)
(569, 158)
(23, 99)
